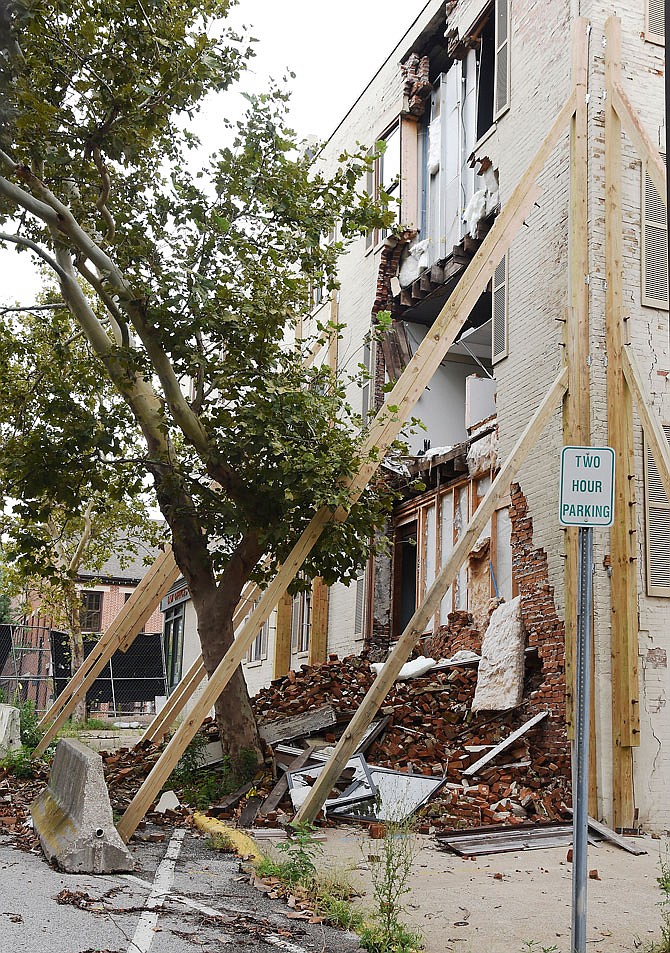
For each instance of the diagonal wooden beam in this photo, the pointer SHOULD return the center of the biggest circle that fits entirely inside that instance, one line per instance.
(130, 620)
(383, 431)
(417, 625)
(651, 423)
(638, 135)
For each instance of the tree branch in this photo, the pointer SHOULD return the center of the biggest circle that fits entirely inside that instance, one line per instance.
(28, 243)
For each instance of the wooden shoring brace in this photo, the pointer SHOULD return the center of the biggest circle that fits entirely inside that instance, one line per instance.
(189, 683)
(176, 702)
(623, 590)
(651, 423)
(120, 634)
(381, 434)
(577, 406)
(416, 627)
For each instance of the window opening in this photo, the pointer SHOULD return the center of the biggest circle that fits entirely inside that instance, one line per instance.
(405, 572)
(173, 640)
(90, 614)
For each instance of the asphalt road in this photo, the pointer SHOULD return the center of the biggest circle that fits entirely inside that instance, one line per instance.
(181, 897)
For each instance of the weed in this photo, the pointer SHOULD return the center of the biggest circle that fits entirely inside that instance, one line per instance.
(532, 946)
(19, 763)
(192, 759)
(247, 766)
(301, 852)
(391, 870)
(31, 734)
(202, 789)
(663, 881)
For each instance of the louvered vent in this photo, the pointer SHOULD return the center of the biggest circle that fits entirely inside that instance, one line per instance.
(360, 605)
(658, 527)
(502, 76)
(499, 312)
(655, 30)
(655, 247)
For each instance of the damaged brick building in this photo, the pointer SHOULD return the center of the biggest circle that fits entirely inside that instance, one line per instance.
(461, 106)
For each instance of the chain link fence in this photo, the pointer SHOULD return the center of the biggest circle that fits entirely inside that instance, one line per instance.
(35, 667)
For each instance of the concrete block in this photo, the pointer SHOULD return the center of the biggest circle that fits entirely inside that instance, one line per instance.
(73, 815)
(10, 729)
(501, 669)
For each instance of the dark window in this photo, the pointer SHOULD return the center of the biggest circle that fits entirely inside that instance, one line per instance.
(486, 86)
(404, 576)
(173, 640)
(90, 615)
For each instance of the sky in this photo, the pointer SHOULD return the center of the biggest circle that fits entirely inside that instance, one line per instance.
(333, 48)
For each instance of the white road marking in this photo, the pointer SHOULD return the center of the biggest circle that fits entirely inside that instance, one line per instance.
(208, 912)
(145, 930)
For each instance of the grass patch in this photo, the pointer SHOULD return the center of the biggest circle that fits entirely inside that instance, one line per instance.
(221, 842)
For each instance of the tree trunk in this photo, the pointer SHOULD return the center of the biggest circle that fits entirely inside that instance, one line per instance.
(76, 643)
(234, 714)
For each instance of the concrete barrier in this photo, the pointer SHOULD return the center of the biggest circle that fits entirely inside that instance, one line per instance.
(10, 729)
(73, 815)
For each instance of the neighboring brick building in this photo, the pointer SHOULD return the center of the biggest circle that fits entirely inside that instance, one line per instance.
(463, 103)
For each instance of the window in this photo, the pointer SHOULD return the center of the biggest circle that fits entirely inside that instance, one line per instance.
(658, 527)
(493, 90)
(384, 176)
(654, 246)
(654, 29)
(90, 614)
(301, 621)
(258, 650)
(499, 312)
(173, 641)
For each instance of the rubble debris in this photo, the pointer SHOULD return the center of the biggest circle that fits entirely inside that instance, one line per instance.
(354, 784)
(10, 730)
(613, 838)
(474, 768)
(168, 801)
(298, 726)
(412, 669)
(397, 796)
(477, 842)
(431, 731)
(73, 814)
(501, 670)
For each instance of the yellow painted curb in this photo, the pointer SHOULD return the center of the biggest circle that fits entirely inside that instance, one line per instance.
(243, 844)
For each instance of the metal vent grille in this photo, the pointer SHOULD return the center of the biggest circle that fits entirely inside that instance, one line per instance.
(360, 605)
(655, 247)
(502, 71)
(656, 20)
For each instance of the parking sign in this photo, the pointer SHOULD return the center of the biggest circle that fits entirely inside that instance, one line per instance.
(587, 486)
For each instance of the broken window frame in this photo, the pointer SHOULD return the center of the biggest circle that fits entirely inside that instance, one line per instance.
(656, 513)
(654, 17)
(653, 217)
(465, 495)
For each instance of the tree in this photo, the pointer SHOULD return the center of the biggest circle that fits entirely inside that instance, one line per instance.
(196, 277)
(51, 400)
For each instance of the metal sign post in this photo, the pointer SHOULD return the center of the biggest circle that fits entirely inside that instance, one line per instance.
(586, 500)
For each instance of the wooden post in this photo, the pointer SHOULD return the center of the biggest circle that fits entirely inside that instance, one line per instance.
(381, 686)
(282, 662)
(385, 427)
(623, 597)
(318, 636)
(124, 628)
(576, 409)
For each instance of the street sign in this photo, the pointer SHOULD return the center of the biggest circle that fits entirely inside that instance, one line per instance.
(587, 486)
